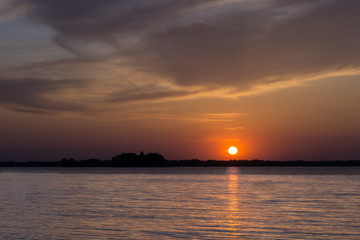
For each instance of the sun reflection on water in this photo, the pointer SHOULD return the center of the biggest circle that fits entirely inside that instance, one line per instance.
(239, 213)
(233, 197)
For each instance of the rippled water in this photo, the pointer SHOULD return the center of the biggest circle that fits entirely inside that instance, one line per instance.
(180, 203)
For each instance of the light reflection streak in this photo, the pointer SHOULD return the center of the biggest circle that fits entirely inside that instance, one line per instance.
(238, 214)
(233, 210)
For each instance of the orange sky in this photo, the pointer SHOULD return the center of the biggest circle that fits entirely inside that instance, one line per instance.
(187, 79)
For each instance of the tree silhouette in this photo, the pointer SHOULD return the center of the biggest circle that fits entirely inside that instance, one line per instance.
(133, 160)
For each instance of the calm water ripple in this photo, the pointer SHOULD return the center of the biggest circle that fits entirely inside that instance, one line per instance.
(180, 203)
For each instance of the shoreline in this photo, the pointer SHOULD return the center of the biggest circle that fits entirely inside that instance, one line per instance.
(184, 163)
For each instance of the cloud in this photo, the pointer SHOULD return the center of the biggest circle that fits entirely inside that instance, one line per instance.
(47, 96)
(146, 95)
(260, 47)
(212, 117)
(9, 9)
(109, 21)
(240, 43)
(89, 85)
(36, 95)
(225, 115)
(235, 128)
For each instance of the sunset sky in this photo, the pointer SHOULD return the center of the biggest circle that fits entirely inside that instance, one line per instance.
(279, 79)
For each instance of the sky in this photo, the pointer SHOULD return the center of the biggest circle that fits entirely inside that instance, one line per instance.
(278, 79)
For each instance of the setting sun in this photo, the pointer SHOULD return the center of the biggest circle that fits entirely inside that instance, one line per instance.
(232, 150)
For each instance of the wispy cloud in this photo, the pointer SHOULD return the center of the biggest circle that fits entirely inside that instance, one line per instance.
(10, 8)
(146, 95)
(34, 95)
(241, 44)
(259, 47)
(235, 128)
(205, 117)
(172, 49)
(225, 115)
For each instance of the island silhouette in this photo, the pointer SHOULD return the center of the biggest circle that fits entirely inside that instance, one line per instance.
(157, 160)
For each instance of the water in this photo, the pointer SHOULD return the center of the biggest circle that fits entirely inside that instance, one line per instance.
(180, 203)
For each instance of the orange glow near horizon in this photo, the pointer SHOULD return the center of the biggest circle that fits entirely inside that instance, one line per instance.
(219, 148)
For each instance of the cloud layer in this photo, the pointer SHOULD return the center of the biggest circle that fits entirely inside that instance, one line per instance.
(210, 45)
(260, 46)
(34, 95)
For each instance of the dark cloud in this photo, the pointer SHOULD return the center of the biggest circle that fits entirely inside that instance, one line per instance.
(259, 47)
(46, 96)
(34, 95)
(105, 20)
(241, 44)
(10, 9)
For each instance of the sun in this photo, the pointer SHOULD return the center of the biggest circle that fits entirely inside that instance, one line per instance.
(232, 150)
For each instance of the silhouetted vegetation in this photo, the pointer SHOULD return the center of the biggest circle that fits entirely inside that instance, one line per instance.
(133, 160)
(84, 163)
(157, 160)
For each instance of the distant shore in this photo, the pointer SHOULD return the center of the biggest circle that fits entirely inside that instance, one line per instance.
(182, 163)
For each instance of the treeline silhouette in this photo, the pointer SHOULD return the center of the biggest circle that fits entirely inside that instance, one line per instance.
(157, 160)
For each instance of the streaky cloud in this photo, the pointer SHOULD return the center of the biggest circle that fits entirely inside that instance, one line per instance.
(240, 43)
(9, 9)
(146, 95)
(35, 95)
(260, 47)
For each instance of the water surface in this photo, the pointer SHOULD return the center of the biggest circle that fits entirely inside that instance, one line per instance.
(180, 203)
